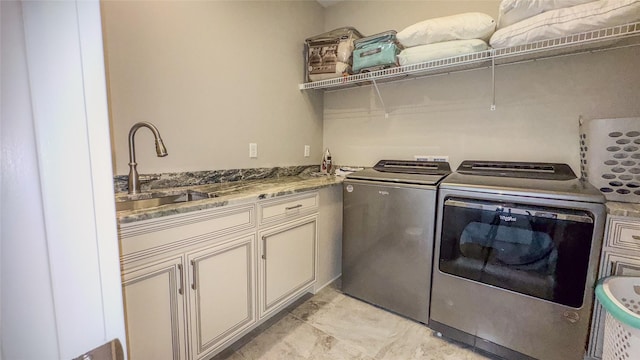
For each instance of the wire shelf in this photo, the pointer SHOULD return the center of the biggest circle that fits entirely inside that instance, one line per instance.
(612, 37)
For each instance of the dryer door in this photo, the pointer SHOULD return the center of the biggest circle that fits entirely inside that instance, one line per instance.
(537, 251)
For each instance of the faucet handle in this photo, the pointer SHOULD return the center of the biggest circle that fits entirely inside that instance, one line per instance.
(148, 178)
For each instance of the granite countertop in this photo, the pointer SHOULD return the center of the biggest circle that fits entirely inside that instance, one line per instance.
(623, 209)
(222, 194)
(247, 191)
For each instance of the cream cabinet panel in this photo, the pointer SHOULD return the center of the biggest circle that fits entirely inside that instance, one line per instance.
(287, 262)
(195, 283)
(288, 208)
(147, 238)
(624, 234)
(155, 311)
(221, 283)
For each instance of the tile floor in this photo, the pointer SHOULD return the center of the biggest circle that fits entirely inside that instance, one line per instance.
(333, 326)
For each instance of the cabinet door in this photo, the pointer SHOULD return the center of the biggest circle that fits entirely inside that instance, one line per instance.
(288, 262)
(613, 264)
(222, 300)
(155, 310)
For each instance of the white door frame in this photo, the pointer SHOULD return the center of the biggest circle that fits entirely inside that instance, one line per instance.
(62, 56)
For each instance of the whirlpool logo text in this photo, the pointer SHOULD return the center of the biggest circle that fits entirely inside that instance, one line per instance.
(508, 218)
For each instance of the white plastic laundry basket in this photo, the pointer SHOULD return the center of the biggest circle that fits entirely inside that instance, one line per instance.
(620, 297)
(610, 156)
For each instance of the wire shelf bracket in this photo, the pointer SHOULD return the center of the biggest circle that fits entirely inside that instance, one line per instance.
(375, 85)
(493, 84)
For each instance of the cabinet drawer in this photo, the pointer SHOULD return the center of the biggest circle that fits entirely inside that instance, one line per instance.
(624, 234)
(152, 237)
(288, 207)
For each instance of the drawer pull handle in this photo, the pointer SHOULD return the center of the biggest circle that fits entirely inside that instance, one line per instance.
(293, 207)
(193, 284)
(264, 247)
(181, 289)
(635, 237)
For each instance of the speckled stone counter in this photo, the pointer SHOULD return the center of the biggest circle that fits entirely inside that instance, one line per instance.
(223, 194)
(154, 182)
(623, 209)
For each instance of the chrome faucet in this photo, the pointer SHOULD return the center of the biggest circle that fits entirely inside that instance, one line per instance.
(161, 151)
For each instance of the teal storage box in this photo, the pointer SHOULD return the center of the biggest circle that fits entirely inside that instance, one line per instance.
(375, 52)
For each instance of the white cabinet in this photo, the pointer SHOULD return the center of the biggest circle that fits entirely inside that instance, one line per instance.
(189, 282)
(211, 293)
(221, 295)
(288, 250)
(287, 262)
(621, 257)
(196, 282)
(155, 310)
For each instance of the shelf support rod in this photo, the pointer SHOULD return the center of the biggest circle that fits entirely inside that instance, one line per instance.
(375, 85)
(493, 81)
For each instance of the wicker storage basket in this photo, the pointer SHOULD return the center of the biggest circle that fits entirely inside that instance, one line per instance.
(610, 156)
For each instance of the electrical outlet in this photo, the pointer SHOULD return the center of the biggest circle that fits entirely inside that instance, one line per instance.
(307, 150)
(253, 150)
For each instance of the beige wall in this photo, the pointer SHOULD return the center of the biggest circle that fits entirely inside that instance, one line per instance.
(538, 103)
(372, 17)
(213, 76)
(216, 75)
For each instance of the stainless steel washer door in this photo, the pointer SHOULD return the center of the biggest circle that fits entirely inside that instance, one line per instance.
(388, 245)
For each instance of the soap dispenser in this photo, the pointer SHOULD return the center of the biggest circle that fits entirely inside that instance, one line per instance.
(325, 168)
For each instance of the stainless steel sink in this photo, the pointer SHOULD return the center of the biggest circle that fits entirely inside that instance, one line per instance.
(159, 201)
